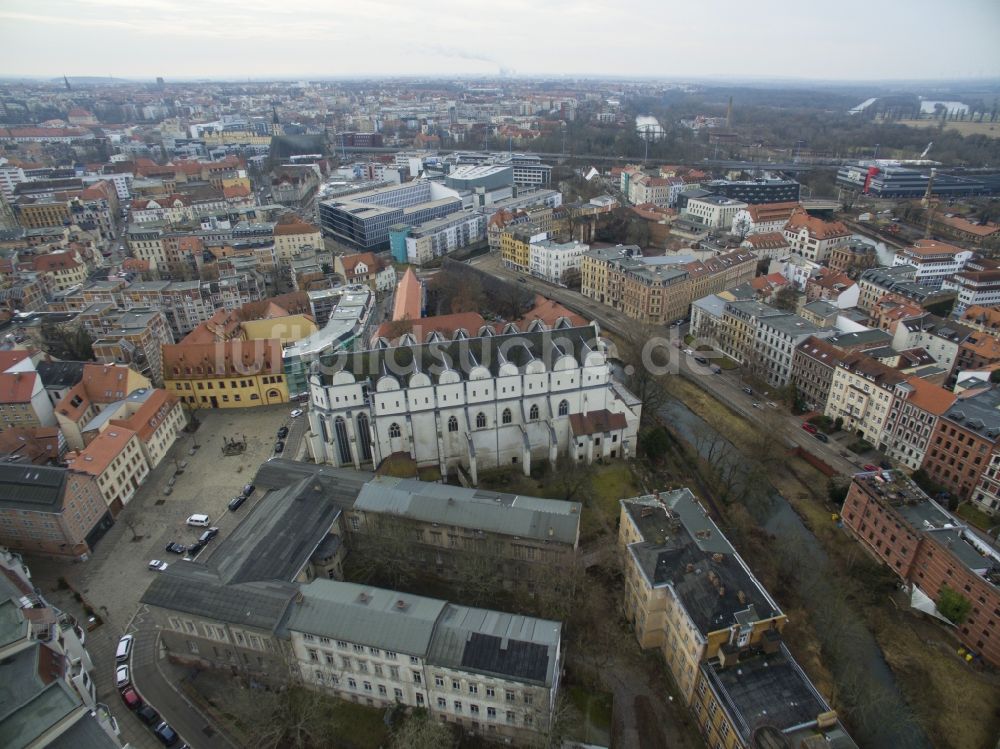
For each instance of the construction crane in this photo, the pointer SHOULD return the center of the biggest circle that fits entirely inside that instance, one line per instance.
(929, 205)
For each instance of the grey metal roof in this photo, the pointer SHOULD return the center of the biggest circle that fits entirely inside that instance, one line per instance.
(280, 472)
(193, 588)
(477, 509)
(86, 733)
(492, 642)
(376, 617)
(28, 705)
(60, 374)
(31, 487)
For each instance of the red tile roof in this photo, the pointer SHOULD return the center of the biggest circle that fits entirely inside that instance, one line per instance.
(596, 422)
(409, 297)
(11, 357)
(54, 261)
(817, 227)
(16, 387)
(104, 448)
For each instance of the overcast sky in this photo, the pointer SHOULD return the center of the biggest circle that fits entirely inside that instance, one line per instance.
(829, 39)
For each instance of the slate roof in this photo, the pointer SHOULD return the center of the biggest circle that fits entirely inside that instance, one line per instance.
(495, 643)
(31, 487)
(376, 617)
(478, 509)
(60, 374)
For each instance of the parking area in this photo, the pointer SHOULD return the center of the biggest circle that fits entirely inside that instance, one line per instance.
(204, 478)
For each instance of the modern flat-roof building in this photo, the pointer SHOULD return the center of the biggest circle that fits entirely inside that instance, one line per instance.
(935, 261)
(900, 182)
(755, 191)
(362, 220)
(974, 288)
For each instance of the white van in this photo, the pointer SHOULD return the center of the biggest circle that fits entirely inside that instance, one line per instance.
(124, 648)
(201, 521)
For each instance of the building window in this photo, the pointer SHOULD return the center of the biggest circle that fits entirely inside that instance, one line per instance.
(533, 412)
(394, 430)
(452, 424)
(507, 417)
(563, 407)
(480, 420)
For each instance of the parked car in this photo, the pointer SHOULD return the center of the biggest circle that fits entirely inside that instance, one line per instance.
(748, 391)
(175, 548)
(194, 548)
(157, 566)
(296, 413)
(249, 488)
(236, 502)
(279, 446)
(811, 428)
(755, 404)
(701, 360)
(821, 437)
(124, 649)
(199, 520)
(282, 433)
(716, 369)
(689, 352)
(148, 715)
(131, 699)
(122, 677)
(870, 467)
(208, 535)
(167, 735)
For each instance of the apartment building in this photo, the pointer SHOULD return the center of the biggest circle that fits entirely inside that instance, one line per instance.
(115, 458)
(155, 415)
(813, 365)
(134, 337)
(978, 351)
(292, 237)
(688, 593)
(714, 211)
(834, 287)
(98, 386)
(770, 245)
(935, 261)
(853, 255)
(738, 328)
(974, 288)
(982, 318)
(23, 399)
(555, 261)
(50, 510)
(496, 400)
(812, 237)
(963, 441)
(51, 698)
(366, 268)
(913, 416)
(862, 393)
(59, 270)
(515, 246)
(939, 337)
(776, 339)
(432, 239)
(929, 549)
(987, 492)
(900, 281)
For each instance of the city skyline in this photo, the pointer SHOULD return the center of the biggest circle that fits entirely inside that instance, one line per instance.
(176, 38)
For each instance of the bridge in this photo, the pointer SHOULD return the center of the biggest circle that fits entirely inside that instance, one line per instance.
(816, 204)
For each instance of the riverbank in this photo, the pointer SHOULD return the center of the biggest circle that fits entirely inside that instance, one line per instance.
(957, 705)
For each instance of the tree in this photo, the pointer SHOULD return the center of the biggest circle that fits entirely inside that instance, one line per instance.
(569, 479)
(655, 442)
(953, 605)
(645, 357)
(418, 731)
(294, 717)
(571, 278)
(71, 342)
(786, 298)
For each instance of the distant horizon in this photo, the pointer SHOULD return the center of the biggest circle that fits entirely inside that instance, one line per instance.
(855, 41)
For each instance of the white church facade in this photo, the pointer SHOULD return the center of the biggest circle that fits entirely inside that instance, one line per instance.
(476, 402)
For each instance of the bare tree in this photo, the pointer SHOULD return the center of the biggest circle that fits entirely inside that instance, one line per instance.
(418, 731)
(643, 362)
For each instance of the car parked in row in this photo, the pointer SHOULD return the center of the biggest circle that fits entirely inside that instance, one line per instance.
(157, 565)
(131, 698)
(123, 677)
(175, 548)
(279, 447)
(282, 433)
(167, 735)
(811, 428)
(148, 715)
(821, 437)
(124, 649)
(236, 502)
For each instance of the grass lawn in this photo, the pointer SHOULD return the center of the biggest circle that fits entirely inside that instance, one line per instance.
(969, 512)
(726, 363)
(362, 726)
(688, 338)
(594, 713)
(611, 483)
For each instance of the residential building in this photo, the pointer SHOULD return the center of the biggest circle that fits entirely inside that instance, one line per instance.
(775, 341)
(935, 261)
(98, 386)
(291, 237)
(155, 415)
(714, 211)
(834, 287)
(60, 270)
(755, 191)
(982, 318)
(899, 280)
(738, 331)
(796, 269)
(812, 237)
(976, 351)
(762, 218)
(50, 699)
(986, 495)
(366, 268)
(555, 262)
(419, 245)
(116, 460)
(974, 289)
(852, 256)
(981, 234)
(767, 245)
(688, 593)
(913, 418)
(494, 399)
(862, 393)
(813, 365)
(964, 439)
(24, 402)
(941, 338)
(929, 549)
(515, 245)
(134, 337)
(51, 510)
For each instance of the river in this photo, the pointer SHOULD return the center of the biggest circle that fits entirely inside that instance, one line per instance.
(869, 674)
(884, 254)
(648, 127)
